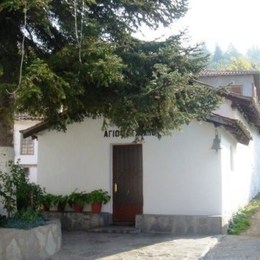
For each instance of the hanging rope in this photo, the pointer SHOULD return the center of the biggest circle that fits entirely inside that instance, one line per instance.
(79, 33)
(22, 48)
(81, 30)
(76, 20)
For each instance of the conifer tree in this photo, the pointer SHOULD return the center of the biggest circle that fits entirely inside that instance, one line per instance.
(79, 57)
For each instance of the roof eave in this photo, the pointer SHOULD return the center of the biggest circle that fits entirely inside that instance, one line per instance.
(34, 130)
(248, 106)
(234, 126)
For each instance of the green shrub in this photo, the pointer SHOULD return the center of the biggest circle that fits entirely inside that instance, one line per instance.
(21, 199)
(80, 198)
(47, 200)
(24, 219)
(241, 220)
(16, 192)
(99, 196)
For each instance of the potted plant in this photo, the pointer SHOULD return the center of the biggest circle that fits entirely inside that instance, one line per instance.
(97, 198)
(60, 201)
(47, 201)
(77, 200)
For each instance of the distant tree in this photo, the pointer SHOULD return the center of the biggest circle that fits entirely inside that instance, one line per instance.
(232, 52)
(205, 50)
(239, 64)
(217, 55)
(253, 54)
(216, 61)
(232, 59)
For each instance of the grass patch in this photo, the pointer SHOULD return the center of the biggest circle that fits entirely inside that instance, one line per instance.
(241, 220)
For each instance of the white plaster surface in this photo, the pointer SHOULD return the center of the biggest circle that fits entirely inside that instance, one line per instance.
(181, 174)
(28, 161)
(247, 81)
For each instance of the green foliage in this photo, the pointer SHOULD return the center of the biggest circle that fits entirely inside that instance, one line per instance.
(7, 193)
(217, 55)
(241, 220)
(239, 64)
(60, 201)
(24, 219)
(86, 63)
(253, 54)
(79, 198)
(99, 196)
(3, 220)
(16, 192)
(48, 200)
(239, 223)
(20, 198)
(233, 60)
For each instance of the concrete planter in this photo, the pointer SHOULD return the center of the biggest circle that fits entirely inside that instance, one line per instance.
(36, 243)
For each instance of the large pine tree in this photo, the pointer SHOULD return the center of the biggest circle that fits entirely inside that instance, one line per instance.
(79, 57)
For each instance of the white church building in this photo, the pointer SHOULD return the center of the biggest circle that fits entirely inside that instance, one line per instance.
(177, 184)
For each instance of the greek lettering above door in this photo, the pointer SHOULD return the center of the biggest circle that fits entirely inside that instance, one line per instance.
(116, 133)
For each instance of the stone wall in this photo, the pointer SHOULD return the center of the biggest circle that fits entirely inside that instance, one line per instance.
(80, 221)
(36, 243)
(182, 225)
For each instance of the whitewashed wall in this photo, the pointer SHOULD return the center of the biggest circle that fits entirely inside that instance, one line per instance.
(255, 180)
(28, 161)
(240, 172)
(180, 173)
(223, 80)
(240, 164)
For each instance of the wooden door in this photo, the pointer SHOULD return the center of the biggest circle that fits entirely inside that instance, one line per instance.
(127, 182)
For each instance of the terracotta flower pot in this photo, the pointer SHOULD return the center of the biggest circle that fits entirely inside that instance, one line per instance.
(60, 207)
(96, 207)
(46, 208)
(77, 207)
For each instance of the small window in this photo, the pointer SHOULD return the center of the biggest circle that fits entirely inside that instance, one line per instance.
(237, 89)
(27, 146)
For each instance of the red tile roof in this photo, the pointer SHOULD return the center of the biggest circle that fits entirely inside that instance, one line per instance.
(211, 73)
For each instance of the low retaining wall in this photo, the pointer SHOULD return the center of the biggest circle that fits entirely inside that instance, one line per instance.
(36, 243)
(80, 221)
(182, 225)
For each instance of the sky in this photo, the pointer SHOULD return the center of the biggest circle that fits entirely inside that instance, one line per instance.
(219, 22)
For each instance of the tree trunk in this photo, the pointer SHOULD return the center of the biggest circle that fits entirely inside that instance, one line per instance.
(6, 136)
(6, 132)
(9, 59)
(10, 37)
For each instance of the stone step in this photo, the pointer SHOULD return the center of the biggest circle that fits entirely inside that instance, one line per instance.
(115, 229)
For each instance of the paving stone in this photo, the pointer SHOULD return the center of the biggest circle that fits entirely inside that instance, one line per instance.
(235, 248)
(114, 246)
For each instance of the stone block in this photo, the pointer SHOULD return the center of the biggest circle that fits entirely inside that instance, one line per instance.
(181, 224)
(80, 221)
(36, 243)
